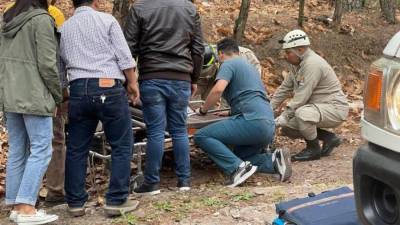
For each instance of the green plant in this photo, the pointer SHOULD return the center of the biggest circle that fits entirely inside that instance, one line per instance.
(129, 219)
(164, 206)
(213, 202)
(243, 197)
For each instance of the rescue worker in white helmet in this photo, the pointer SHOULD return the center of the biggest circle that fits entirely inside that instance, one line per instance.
(318, 100)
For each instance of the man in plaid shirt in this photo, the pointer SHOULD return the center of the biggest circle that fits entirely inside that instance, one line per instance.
(98, 62)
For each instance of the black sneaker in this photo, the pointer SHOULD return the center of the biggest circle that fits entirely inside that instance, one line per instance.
(282, 164)
(52, 201)
(242, 173)
(148, 189)
(183, 185)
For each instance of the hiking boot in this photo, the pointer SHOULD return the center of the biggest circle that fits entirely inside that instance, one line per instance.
(51, 201)
(148, 189)
(242, 173)
(311, 152)
(40, 217)
(282, 164)
(77, 211)
(330, 141)
(184, 185)
(118, 210)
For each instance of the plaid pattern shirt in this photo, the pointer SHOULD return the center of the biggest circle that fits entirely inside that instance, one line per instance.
(93, 46)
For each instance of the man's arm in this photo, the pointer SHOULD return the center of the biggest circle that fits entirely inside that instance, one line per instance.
(132, 32)
(197, 49)
(283, 92)
(312, 76)
(215, 95)
(125, 61)
(120, 46)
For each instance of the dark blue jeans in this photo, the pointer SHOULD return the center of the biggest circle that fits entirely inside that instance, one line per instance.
(86, 109)
(165, 105)
(248, 138)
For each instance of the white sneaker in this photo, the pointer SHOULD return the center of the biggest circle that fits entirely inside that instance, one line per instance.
(40, 217)
(13, 215)
(282, 163)
(242, 173)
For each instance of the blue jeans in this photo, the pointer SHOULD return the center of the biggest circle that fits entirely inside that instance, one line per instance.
(86, 109)
(248, 138)
(28, 156)
(165, 105)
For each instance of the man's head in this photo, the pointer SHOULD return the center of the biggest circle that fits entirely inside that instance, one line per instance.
(227, 48)
(79, 3)
(295, 44)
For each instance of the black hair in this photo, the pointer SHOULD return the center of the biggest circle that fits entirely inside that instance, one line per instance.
(228, 46)
(79, 3)
(21, 6)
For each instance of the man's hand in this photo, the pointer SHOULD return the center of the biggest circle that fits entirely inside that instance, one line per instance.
(133, 92)
(200, 112)
(194, 89)
(280, 121)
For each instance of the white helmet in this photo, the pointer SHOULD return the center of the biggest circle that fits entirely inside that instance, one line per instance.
(295, 38)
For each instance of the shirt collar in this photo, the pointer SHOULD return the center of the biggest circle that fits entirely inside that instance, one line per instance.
(305, 56)
(83, 9)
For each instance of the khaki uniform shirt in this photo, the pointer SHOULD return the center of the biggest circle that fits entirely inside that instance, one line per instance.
(312, 82)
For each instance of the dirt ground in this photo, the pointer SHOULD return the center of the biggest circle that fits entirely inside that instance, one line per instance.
(211, 203)
(350, 52)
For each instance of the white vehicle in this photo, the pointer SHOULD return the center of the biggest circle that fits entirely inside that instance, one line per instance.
(377, 164)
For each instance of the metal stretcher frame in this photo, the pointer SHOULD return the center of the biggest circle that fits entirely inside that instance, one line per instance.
(194, 122)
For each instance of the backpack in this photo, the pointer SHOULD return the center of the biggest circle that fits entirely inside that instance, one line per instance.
(335, 207)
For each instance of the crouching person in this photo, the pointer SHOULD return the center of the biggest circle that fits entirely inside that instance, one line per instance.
(98, 62)
(250, 127)
(318, 100)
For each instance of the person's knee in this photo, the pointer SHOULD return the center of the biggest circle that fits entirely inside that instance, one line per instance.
(308, 114)
(178, 132)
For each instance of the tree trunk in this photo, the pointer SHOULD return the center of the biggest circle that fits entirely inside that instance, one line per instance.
(240, 25)
(121, 9)
(337, 15)
(351, 5)
(301, 13)
(388, 8)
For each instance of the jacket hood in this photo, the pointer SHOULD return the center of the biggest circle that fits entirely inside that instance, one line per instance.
(11, 28)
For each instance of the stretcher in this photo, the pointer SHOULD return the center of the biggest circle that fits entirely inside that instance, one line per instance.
(102, 150)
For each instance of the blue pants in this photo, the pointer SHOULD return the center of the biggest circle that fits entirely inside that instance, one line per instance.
(86, 109)
(248, 138)
(165, 105)
(28, 156)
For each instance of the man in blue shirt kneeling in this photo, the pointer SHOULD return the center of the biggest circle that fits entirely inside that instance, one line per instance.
(250, 127)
